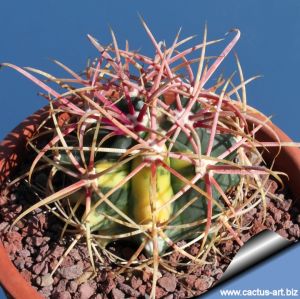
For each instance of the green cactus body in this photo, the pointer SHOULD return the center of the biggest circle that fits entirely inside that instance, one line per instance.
(198, 210)
(106, 182)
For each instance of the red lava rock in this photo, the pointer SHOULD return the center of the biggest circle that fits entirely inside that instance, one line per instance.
(86, 262)
(93, 284)
(56, 279)
(142, 257)
(248, 218)
(4, 226)
(128, 290)
(46, 291)
(62, 295)
(26, 274)
(46, 269)
(146, 276)
(245, 237)
(19, 262)
(15, 242)
(207, 271)
(174, 258)
(108, 284)
(275, 212)
(72, 286)
(28, 262)
(39, 267)
(283, 233)
(3, 200)
(117, 294)
(270, 222)
(58, 251)
(257, 227)
(253, 212)
(68, 262)
(44, 280)
(160, 292)
(142, 290)
(194, 250)
(31, 249)
(17, 209)
(43, 251)
(135, 282)
(102, 276)
(294, 231)
(52, 263)
(216, 271)
(182, 294)
(272, 186)
(277, 216)
(227, 246)
(120, 279)
(42, 219)
(28, 241)
(219, 276)
(3, 212)
(190, 279)
(285, 217)
(33, 228)
(38, 241)
(86, 291)
(284, 204)
(287, 224)
(201, 284)
(74, 253)
(170, 296)
(10, 248)
(62, 285)
(24, 253)
(168, 283)
(71, 272)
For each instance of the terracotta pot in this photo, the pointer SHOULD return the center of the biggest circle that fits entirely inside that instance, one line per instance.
(288, 160)
(13, 147)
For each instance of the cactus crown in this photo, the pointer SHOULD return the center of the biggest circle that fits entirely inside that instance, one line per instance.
(145, 150)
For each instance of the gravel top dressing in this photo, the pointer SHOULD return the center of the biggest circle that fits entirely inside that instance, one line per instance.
(34, 247)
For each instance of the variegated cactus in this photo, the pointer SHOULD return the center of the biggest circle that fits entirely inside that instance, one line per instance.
(147, 150)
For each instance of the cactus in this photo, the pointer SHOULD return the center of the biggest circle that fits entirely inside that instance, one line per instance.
(142, 151)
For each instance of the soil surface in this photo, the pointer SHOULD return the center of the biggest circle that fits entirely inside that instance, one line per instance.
(35, 248)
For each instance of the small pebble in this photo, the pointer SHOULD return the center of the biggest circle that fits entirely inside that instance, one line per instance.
(136, 282)
(117, 294)
(62, 295)
(72, 286)
(201, 284)
(168, 283)
(128, 290)
(283, 233)
(86, 291)
(45, 280)
(71, 272)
